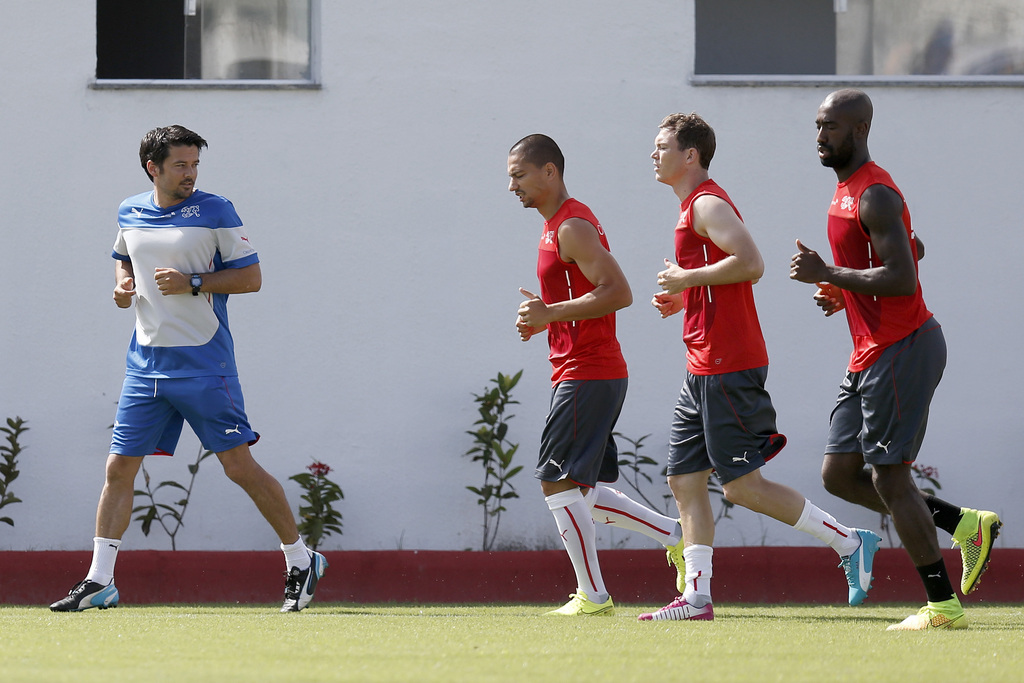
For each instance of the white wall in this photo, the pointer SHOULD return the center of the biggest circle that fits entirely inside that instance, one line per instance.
(392, 252)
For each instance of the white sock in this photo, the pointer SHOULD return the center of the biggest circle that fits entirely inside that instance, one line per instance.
(610, 506)
(296, 555)
(698, 574)
(576, 527)
(824, 527)
(104, 555)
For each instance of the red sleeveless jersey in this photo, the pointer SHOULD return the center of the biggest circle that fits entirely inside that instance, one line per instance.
(876, 322)
(580, 349)
(720, 325)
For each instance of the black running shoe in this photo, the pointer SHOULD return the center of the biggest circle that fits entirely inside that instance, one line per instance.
(299, 585)
(86, 595)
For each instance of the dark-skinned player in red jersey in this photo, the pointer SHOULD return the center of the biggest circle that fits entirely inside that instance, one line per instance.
(898, 357)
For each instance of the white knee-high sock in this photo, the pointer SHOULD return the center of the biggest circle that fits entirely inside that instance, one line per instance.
(104, 555)
(824, 527)
(698, 574)
(576, 527)
(611, 506)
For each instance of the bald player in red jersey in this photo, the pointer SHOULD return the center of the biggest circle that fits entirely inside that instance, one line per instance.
(724, 420)
(898, 357)
(581, 287)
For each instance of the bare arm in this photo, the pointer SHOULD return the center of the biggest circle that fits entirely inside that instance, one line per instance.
(579, 243)
(881, 212)
(124, 283)
(227, 281)
(715, 219)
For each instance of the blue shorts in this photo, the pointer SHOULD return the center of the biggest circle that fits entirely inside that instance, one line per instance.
(577, 442)
(150, 414)
(882, 411)
(723, 422)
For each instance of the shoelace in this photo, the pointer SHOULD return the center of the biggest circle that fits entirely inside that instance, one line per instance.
(845, 564)
(293, 583)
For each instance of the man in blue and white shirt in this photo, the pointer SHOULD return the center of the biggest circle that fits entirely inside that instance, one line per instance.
(179, 253)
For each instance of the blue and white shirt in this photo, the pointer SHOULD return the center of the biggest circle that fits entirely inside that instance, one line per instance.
(180, 335)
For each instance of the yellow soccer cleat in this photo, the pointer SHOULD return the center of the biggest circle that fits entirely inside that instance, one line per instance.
(674, 553)
(580, 605)
(974, 534)
(945, 614)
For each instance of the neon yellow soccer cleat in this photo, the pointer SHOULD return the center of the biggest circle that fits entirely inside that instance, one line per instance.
(674, 553)
(974, 534)
(580, 605)
(946, 614)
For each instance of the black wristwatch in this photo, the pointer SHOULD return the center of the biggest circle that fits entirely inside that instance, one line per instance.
(197, 282)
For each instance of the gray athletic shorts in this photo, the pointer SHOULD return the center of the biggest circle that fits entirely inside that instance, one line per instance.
(577, 442)
(882, 411)
(723, 422)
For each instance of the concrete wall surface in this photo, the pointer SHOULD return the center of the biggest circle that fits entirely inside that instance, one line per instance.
(392, 253)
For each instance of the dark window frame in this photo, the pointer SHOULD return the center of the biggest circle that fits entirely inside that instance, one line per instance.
(153, 59)
(723, 27)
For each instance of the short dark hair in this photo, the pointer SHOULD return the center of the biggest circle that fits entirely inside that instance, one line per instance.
(692, 131)
(156, 144)
(539, 149)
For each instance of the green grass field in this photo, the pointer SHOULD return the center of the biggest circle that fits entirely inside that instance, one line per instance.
(330, 642)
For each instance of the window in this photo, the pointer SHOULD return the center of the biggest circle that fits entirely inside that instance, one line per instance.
(939, 37)
(765, 37)
(212, 42)
(898, 39)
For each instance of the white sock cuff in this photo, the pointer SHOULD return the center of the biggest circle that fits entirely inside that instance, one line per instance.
(296, 555)
(297, 545)
(804, 514)
(564, 499)
(699, 565)
(698, 554)
(104, 557)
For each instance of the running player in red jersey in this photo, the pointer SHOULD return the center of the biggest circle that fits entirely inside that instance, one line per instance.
(898, 357)
(581, 287)
(724, 420)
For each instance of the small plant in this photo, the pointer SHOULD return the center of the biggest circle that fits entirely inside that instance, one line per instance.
(9, 453)
(924, 474)
(493, 450)
(318, 519)
(170, 517)
(633, 464)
